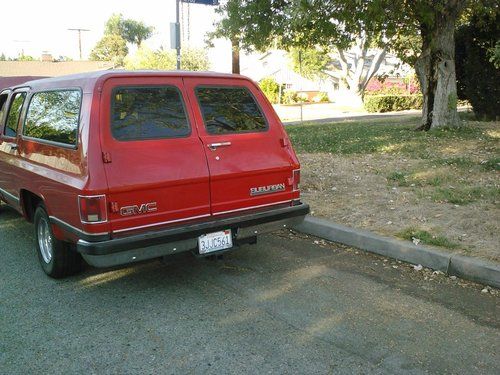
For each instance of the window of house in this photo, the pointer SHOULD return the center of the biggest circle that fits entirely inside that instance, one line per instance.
(54, 116)
(148, 113)
(230, 110)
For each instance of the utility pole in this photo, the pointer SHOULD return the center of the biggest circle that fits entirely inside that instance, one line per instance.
(178, 34)
(79, 39)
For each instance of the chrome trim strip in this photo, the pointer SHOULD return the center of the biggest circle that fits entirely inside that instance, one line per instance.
(249, 208)
(10, 196)
(75, 229)
(162, 223)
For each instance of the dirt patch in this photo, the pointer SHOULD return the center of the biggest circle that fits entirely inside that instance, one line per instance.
(389, 194)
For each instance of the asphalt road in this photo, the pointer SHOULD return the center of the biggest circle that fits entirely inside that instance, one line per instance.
(284, 306)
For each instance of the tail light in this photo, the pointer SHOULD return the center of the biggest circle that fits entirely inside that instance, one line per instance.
(296, 179)
(92, 209)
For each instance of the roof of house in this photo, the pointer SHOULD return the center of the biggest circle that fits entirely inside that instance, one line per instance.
(16, 81)
(50, 69)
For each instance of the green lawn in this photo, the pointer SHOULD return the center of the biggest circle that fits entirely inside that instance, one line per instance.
(471, 149)
(388, 135)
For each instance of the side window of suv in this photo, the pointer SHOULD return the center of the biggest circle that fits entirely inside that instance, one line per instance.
(14, 113)
(54, 116)
(3, 105)
(230, 110)
(148, 113)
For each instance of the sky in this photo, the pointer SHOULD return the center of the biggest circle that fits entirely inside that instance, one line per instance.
(44, 26)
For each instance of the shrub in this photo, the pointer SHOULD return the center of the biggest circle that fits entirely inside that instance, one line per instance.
(388, 103)
(302, 97)
(380, 85)
(290, 97)
(478, 80)
(321, 97)
(146, 58)
(270, 88)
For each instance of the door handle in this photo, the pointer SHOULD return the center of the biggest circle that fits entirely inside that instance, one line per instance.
(13, 146)
(213, 146)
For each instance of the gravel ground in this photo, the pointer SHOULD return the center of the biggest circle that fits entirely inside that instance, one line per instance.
(290, 304)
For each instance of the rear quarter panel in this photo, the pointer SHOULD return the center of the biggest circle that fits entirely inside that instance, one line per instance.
(59, 174)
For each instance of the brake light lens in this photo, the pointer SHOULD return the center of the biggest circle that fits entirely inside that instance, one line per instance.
(296, 179)
(93, 208)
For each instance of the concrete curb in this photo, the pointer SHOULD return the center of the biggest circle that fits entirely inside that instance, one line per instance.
(465, 267)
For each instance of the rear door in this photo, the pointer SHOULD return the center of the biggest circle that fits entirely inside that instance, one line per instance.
(154, 160)
(250, 161)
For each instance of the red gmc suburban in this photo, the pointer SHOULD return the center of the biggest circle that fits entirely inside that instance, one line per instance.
(118, 167)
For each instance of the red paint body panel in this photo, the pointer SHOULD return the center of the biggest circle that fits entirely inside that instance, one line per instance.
(186, 179)
(171, 172)
(251, 160)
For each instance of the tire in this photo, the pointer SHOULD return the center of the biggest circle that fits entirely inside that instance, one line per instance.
(57, 258)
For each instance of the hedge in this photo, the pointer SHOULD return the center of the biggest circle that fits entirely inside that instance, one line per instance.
(388, 103)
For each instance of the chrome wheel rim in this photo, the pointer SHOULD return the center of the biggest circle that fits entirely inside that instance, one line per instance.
(45, 240)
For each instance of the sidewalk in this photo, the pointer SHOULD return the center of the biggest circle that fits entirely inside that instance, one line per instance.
(320, 113)
(326, 112)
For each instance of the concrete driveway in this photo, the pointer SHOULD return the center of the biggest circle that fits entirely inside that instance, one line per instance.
(285, 306)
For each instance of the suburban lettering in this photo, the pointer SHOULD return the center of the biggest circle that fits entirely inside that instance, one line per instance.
(267, 189)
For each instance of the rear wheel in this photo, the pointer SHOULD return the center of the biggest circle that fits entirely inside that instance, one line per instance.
(57, 258)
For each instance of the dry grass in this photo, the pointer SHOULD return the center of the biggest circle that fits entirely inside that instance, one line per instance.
(448, 191)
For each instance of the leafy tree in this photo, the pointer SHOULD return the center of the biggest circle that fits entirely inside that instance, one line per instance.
(229, 27)
(132, 31)
(353, 68)
(117, 32)
(195, 59)
(385, 23)
(270, 88)
(2, 57)
(494, 54)
(312, 63)
(23, 57)
(300, 26)
(478, 75)
(145, 58)
(110, 48)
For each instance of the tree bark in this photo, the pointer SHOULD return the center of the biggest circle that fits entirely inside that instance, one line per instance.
(435, 68)
(235, 47)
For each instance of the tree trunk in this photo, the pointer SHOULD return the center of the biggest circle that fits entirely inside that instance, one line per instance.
(349, 93)
(435, 68)
(235, 46)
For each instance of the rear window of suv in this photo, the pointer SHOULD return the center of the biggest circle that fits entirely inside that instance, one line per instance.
(230, 110)
(148, 113)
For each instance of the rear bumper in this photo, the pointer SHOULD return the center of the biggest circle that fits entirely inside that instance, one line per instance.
(183, 238)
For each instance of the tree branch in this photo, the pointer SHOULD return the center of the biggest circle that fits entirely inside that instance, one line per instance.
(374, 67)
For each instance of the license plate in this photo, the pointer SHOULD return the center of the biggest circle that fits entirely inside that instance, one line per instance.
(216, 241)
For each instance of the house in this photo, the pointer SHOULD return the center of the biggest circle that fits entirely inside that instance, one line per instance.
(276, 64)
(17, 72)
